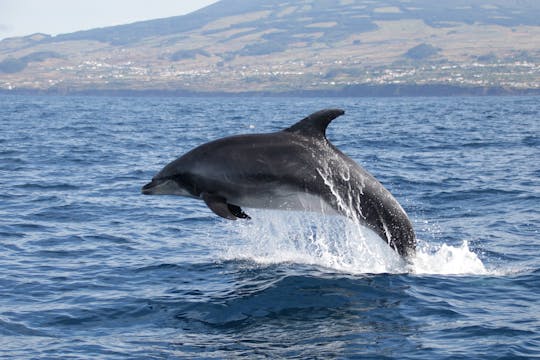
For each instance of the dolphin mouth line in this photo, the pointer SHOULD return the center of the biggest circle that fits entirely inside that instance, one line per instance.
(163, 186)
(147, 189)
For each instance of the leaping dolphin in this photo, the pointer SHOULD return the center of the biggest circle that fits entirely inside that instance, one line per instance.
(293, 169)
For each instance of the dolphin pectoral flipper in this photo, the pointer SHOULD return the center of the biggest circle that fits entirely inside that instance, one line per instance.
(219, 206)
(238, 212)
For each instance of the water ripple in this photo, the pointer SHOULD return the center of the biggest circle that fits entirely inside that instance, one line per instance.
(92, 269)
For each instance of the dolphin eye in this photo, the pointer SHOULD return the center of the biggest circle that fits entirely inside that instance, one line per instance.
(186, 181)
(179, 179)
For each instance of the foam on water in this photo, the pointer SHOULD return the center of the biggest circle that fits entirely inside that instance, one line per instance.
(339, 244)
(447, 260)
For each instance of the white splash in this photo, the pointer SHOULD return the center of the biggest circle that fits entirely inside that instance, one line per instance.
(333, 242)
(448, 260)
(337, 243)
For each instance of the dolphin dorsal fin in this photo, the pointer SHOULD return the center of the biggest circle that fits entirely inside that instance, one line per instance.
(316, 123)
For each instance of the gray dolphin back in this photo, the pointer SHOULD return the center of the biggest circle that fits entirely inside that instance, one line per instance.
(293, 169)
(350, 189)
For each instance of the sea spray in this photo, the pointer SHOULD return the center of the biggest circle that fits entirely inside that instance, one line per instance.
(447, 260)
(333, 242)
(337, 243)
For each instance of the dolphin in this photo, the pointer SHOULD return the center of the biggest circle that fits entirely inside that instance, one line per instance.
(293, 169)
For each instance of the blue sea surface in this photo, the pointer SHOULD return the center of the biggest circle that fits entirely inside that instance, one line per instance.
(90, 268)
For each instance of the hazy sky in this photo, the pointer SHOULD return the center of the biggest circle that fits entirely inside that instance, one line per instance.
(24, 17)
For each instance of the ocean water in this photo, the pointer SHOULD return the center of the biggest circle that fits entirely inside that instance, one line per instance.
(90, 268)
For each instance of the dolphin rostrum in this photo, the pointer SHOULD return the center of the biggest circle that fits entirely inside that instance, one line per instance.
(293, 169)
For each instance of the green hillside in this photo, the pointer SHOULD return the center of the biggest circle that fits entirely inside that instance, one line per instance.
(285, 45)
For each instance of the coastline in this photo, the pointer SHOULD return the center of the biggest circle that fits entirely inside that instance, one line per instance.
(389, 90)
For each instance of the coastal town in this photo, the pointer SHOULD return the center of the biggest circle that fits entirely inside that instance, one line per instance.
(285, 48)
(288, 76)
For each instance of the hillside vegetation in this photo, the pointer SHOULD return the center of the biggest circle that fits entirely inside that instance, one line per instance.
(291, 45)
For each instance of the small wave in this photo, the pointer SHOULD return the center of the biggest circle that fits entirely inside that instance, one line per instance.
(468, 194)
(44, 186)
(531, 140)
(9, 328)
(264, 300)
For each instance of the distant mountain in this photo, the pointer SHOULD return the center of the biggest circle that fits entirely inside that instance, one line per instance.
(292, 46)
